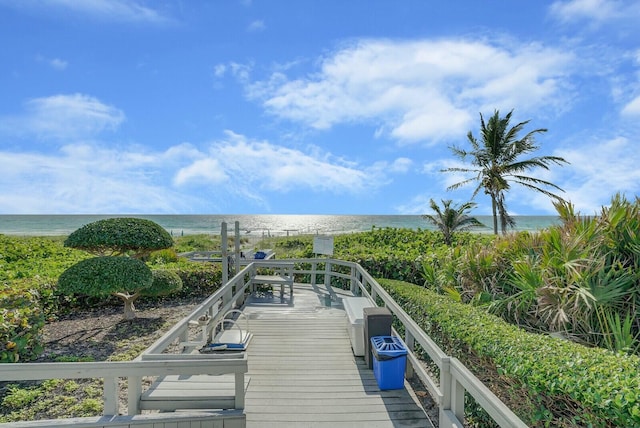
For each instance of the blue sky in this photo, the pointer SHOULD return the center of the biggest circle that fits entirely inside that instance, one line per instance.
(309, 106)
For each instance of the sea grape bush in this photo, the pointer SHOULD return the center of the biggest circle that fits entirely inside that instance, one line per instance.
(572, 385)
(21, 321)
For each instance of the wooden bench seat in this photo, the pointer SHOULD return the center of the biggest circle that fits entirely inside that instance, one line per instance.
(283, 276)
(178, 392)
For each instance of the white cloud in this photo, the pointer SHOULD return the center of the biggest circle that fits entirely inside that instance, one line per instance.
(580, 9)
(401, 165)
(88, 179)
(58, 64)
(596, 12)
(117, 10)
(219, 70)
(249, 166)
(632, 108)
(599, 170)
(418, 90)
(55, 63)
(63, 117)
(257, 25)
(205, 171)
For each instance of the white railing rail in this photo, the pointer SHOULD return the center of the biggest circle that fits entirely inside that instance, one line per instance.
(112, 371)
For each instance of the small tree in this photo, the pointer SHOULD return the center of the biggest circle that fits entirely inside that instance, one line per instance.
(123, 277)
(121, 244)
(449, 219)
(135, 237)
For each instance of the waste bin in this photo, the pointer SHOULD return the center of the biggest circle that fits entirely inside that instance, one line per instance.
(389, 361)
(377, 322)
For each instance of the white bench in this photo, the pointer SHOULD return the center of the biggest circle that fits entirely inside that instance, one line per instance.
(354, 307)
(283, 276)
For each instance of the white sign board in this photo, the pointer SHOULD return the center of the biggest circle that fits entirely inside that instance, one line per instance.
(323, 245)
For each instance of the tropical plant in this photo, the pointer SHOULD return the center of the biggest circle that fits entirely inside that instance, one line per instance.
(450, 219)
(496, 162)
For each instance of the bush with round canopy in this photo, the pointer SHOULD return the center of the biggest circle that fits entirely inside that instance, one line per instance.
(136, 237)
(121, 245)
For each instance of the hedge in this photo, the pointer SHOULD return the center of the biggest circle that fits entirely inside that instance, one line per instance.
(589, 386)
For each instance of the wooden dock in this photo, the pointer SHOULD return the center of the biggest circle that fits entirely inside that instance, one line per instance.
(303, 373)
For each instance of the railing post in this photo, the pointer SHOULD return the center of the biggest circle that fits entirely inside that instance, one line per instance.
(314, 273)
(239, 401)
(327, 273)
(111, 399)
(445, 386)
(134, 388)
(410, 342)
(457, 399)
(236, 248)
(225, 253)
(184, 335)
(354, 282)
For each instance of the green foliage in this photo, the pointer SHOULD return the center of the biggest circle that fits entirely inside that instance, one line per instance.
(103, 276)
(164, 282)
(168, 255)
(204, 242)
(21, 320)
(200, 242)
(587, 386)
(117, 236)
(18, 397)
(198, 279)
(30, 257)
(451, 219)
(52, 399)
(497, 163)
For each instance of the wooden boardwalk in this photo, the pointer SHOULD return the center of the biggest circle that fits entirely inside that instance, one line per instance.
(303, 373)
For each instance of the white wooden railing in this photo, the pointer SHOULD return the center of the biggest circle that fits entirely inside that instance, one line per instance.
(455, 379)
(159, 359)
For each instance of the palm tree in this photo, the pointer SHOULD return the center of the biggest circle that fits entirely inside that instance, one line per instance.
(496, 164)
(450, 219)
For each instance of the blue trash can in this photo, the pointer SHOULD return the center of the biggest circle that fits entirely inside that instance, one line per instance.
(389, 361)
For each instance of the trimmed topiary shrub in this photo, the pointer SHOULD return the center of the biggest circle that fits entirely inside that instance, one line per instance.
(117, 236)
(123, 277)
(164, 282)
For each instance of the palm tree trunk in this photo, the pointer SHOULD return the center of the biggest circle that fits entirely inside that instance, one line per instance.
(495, 214)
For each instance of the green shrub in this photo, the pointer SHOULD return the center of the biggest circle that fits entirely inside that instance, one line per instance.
(117, 236)
(103, 276)
(164, 282)
(21, 321)
(198, 279)
(168, 255)
(578, 385)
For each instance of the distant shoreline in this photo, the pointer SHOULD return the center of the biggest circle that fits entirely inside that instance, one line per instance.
(252, 226)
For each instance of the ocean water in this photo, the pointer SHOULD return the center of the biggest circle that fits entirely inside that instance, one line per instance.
(252, 225)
